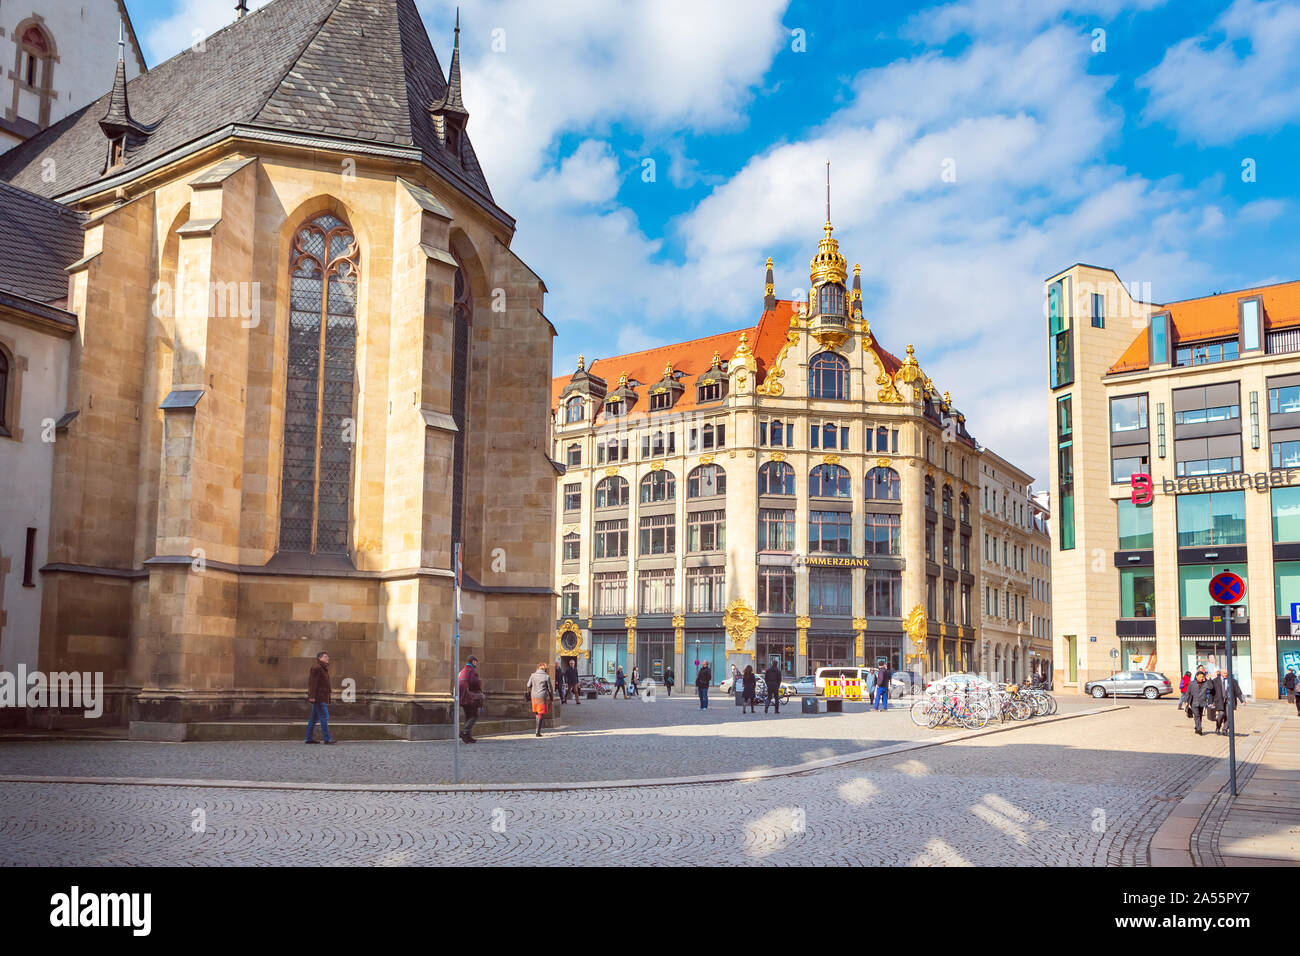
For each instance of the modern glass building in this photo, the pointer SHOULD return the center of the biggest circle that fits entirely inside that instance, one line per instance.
(1197, 406)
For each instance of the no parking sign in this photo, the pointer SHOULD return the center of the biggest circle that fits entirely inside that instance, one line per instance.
(1227, 588)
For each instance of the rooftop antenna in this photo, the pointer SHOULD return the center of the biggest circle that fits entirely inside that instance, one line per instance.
(828, 190)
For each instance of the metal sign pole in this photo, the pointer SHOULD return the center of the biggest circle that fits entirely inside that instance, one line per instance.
(455, 658)
(1231, 700)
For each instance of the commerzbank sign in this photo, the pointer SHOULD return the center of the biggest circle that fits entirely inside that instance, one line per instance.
(1144, 487)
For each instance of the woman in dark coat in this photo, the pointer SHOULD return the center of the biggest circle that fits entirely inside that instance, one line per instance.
(748, 683)
(620, 683)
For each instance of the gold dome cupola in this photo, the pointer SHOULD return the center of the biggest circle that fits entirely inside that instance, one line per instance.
(828, 297)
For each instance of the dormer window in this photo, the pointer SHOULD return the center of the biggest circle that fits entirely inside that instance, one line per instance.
(661, 401)
(116, 151)
(615, 408)
(710, 392)
(573, 410)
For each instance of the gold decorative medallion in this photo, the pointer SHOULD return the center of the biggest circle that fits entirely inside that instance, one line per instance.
(915, 626)
(778, 456)
(657, 466)
(740, 621)
(679, 621)
(706, 459)
(882, 462)
(629, 622)
(859, 624)
(830, 459)
(803, 622)
(568, 639)
(611, 472)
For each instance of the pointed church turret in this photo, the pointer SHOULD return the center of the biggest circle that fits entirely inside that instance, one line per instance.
(769, 290)
(117, 123)
(449, 114)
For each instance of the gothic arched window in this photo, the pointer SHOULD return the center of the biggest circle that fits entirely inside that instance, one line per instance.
(36, 69)
(828, 376)
(319, 425)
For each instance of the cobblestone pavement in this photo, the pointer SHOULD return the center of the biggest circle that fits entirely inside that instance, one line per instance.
(1089, 791)
(600, 740)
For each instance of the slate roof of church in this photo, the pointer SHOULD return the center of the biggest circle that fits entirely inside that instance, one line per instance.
(40, 238)
(356, 70)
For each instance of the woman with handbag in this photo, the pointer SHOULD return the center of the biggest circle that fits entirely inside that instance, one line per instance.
(540, 691)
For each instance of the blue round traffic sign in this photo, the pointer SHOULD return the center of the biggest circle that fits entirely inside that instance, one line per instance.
(1227, 588)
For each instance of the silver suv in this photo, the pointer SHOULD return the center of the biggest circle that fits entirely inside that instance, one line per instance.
(1146, 684)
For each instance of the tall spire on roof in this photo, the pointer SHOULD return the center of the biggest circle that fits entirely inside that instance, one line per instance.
(449, 114)
(118, 120)
(769, 290)
(241, 9)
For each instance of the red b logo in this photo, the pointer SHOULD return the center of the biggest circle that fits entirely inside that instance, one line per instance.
(1143, 493)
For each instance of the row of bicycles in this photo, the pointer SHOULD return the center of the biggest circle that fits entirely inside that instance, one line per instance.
(973, 708)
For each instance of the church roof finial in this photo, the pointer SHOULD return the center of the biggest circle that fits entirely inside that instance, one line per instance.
(118, 120)
(451, 101)
(241, 9)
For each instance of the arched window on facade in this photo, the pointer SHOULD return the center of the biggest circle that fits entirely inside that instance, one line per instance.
(964, 505)
(36, 68)
(706, 481)
(658, 486)
(882, 485)
(829, 481)
(611, 492)
(775, 478)
(947, 501)
(315, 497)
(929, 493)
(828, 376)
(831, 300)
(573, 409)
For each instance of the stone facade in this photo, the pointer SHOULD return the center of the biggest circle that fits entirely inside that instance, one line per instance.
(167, 570)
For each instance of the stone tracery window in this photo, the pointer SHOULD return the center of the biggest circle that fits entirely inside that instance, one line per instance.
(35, 68)
(319, 425)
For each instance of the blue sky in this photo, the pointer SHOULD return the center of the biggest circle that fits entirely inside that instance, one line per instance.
(1122, 148)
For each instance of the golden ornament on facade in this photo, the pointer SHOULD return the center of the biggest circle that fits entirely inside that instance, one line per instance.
(740, 621)
(803, 622)
(830, 459)
(611, 472)
(572, 647)
(582, 362)
(629, 622)
(915, 625)
(859, 624)
(706, 459)
(778, 456)
(772, 384)
(742, 347)
(622, 380)
(679, 620)
(882, 462)
(658, 389)
(657, 466)
(828, 265)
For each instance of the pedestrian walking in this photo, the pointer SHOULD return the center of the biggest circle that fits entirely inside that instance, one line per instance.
(1182, 688)
(772, 678)
(470, 689)
(749, 693)
(636, 681)
(620, 683)
(572, 684)
(669, 679)
(541, 691)
(1218, 697)
(1289, 682)
(702, 681)
(318, 695)
(883, 674)
(1197, 692)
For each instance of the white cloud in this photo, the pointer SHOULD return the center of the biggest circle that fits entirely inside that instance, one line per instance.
(1005, 19)
(1243, 82)
(190, 22)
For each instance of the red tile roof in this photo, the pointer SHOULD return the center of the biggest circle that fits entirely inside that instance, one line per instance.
(1215, 317)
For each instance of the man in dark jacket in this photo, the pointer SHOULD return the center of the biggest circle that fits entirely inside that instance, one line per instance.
(318, 694)
(571, 683)
(772, 678)
(883, 674)
(470, 689)
(1218, 698)
(702, 681)
(1197, 699)
(1289, 682)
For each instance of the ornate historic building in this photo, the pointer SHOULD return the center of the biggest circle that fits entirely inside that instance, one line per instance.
(790, 490)
(1015, 562)
(302, 361)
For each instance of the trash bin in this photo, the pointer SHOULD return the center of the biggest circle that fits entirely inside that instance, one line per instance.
(813, 705)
